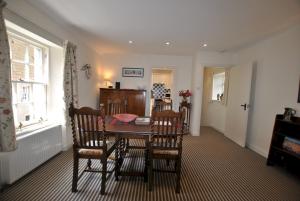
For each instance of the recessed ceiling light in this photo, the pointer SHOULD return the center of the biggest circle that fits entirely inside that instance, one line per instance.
(204, 45)
(130, 42)
(167, 43)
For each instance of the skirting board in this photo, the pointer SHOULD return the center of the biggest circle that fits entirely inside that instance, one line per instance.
(223, 132)
(258, 150)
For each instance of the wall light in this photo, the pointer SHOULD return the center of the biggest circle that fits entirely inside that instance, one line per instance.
(107, 82)
(87, 68)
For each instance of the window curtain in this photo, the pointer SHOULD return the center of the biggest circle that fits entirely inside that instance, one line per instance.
(70, 78)
(7, 126)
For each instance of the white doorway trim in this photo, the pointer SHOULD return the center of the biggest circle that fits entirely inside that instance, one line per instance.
(173, 87)
(197, 90)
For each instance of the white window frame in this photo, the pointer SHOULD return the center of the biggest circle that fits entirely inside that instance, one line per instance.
(45, 63)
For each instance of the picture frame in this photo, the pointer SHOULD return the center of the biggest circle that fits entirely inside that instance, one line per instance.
(299, 92)
(132, 72)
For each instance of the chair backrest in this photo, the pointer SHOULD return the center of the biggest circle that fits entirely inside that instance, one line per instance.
(116, 106)
(88, 127)
(162, 105)
(167, 129)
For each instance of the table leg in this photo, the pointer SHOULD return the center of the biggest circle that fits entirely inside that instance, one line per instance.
(146, 159)
(123, 147)
(117, 158)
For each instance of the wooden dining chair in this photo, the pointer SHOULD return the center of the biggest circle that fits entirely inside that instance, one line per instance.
(116, 106)
(90, 142)
(162, 105)
(166, 141)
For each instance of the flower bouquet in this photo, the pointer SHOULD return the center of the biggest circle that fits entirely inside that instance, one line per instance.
(185, 94)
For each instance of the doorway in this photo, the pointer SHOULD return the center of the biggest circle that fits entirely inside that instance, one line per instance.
(227, 99)
(214, 99)
(161, 85)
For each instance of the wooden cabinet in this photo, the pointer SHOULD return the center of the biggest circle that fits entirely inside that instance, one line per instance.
(136, 99)
(278, 153)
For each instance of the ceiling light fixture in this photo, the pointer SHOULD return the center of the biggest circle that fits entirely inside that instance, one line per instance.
(130, 42)
(204, 45)
(167, 43)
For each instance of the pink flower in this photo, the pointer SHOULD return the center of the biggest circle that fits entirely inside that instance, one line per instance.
(2, 100)
(185, 93)
(6, 111)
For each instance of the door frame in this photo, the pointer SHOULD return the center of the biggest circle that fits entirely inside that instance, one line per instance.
(210, 65)
(173, 88)
(225, 90)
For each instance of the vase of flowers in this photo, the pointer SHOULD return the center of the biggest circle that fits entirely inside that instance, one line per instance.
(185, 94)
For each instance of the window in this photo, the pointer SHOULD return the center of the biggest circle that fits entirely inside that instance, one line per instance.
(218, 86)
(29, 74)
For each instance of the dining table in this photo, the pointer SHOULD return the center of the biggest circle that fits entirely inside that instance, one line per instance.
(130, 130)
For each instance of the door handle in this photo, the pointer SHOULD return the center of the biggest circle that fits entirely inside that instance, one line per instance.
(244, 106)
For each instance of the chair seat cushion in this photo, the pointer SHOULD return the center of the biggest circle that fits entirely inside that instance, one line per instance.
(165, 152)
(91, 152)
(112, 156)
(94, 152)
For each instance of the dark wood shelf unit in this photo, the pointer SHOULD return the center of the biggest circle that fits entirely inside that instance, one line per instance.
(284, 151)
(136, 99)
(279, 155)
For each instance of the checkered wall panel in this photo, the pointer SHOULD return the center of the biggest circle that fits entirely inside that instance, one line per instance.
(158, 90)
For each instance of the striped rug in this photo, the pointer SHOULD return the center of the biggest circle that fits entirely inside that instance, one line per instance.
(213, 168)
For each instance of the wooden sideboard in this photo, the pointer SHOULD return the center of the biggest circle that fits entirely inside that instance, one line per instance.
(136, 99)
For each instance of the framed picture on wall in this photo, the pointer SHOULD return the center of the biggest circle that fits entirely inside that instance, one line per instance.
(299, 93)
(133, 72)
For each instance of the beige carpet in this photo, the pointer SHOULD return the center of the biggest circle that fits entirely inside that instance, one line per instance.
(213, 168)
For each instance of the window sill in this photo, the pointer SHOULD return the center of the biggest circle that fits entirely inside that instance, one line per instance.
(215, 101)
(31, 130)
(221, 102)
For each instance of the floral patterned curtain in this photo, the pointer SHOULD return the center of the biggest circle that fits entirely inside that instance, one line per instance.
(70, 78)
(7, 126)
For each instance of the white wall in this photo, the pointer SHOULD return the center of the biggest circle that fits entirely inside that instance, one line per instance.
(276, 86)
(165, 77)
(181, 65)
(23, 14)
(41, 24)
(27, 16)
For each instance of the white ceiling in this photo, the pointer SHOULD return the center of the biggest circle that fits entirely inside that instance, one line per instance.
(225, 25)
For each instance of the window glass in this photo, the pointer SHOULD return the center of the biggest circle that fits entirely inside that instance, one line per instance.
(18, 48)
(218, 86)
(29, 72)
(18, 71)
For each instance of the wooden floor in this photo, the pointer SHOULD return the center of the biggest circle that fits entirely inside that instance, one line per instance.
(213, 168)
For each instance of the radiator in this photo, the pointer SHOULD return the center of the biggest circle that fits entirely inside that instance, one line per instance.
(33, 149)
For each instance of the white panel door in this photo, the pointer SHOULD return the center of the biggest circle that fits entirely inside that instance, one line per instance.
(238, 103)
